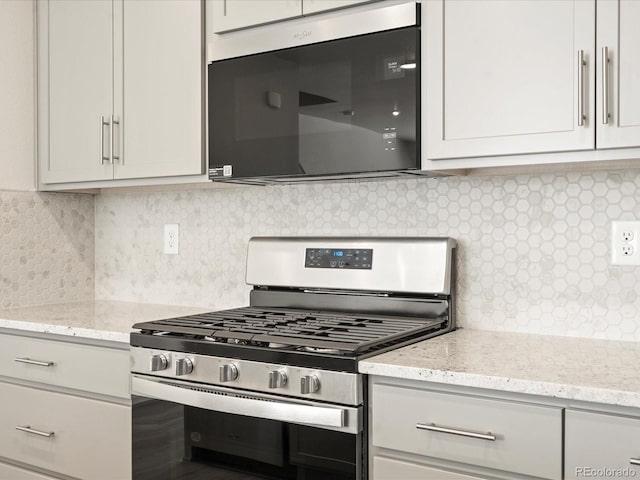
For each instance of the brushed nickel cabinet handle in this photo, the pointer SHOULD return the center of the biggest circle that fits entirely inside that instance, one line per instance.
(454, 431)
(34, 362)
(634, 461)
(114, 122)
(581, 64)
(28, 429)
(103, 157)
(605, 85)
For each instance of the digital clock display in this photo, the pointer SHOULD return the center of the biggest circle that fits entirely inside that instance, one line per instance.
(339, 258)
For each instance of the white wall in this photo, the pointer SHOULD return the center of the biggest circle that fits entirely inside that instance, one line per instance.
(17, 95)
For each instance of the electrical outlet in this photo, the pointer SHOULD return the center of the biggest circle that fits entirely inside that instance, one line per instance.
(171, 238)
(624, 243)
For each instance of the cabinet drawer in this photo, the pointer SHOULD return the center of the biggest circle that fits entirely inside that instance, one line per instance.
(83, 367)
(10, 472)
(600, 442)
(90, 438)
(524, 434)
(388, 469)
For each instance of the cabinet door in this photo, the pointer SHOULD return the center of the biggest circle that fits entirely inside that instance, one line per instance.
(389, 469)
(314, 6)
(600, 443)
(73, 436)
(618, 92)
(233, 14)
(504, 77)
(10, 472)
(77, 68)
(498, 434)
(159, 100)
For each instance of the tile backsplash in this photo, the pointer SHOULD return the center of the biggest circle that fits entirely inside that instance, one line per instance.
(534, 250)
(46, 247)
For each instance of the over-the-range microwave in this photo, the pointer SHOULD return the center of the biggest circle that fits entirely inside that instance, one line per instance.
(321, 97)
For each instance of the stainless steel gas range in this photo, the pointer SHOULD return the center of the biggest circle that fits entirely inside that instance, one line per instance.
(272, 390)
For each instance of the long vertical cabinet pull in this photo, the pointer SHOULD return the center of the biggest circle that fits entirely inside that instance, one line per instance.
(581, 64)
(605, 85)
(114, 122)
(103, 157)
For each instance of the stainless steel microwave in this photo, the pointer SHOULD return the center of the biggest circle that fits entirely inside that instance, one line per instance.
(337, 96)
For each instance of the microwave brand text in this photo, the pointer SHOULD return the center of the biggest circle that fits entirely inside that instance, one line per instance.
(302, 35)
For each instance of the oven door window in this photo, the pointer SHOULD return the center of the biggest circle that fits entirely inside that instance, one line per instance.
(342, 106)
(172, 441)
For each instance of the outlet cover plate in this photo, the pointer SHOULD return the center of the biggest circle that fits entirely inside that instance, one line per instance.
(171, 238)
(621, 241)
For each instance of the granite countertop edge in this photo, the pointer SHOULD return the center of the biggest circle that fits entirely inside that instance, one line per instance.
(567, 368)
(506, 384)
(103, 320)
(70, 331)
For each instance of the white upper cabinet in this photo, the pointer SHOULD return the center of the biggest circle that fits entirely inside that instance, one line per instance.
(618, 74)
(234, 14)
(505, 77)
(161, 94)
(315, 6)
(120, 89)
(78, 73)
(229, 15)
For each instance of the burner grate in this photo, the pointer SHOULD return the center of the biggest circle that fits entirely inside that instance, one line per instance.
(347, 332)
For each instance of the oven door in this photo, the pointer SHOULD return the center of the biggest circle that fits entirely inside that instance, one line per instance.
(184, 430)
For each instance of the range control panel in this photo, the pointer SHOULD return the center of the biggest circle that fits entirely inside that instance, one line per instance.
(348, 258)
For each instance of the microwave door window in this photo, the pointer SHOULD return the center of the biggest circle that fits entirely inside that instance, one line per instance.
(369, 122)
(343, 106)
(254, 116)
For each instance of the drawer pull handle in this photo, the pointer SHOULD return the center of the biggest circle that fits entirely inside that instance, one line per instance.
(28, 429)
(634, 461)
(34, 362)
(454, 431)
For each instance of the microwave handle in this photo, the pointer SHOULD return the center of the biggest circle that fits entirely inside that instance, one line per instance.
(252, 405)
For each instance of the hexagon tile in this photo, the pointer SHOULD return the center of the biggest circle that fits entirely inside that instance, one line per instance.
(46, 248)
(534, 250)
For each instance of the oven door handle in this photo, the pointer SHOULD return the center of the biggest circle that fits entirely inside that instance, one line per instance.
(246, 403)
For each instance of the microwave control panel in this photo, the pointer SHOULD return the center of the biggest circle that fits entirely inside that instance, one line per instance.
(341, 258)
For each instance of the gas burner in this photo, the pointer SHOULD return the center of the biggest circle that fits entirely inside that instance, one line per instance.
(305, 330)
(332, 351)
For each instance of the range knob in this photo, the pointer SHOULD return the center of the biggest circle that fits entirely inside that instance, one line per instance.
(184, 366)
(158, 362)
(277, 379)
(309, 384)
(228, 373)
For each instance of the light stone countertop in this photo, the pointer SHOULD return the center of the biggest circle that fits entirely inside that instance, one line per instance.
(97, 320)
(571, 368)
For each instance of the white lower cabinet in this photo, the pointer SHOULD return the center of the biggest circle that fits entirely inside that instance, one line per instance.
(66, 409)
(418, 432)
(601, 445)
(389, 469)
(494, 434)
(429, 431)
(11, 472)
(80, 437)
